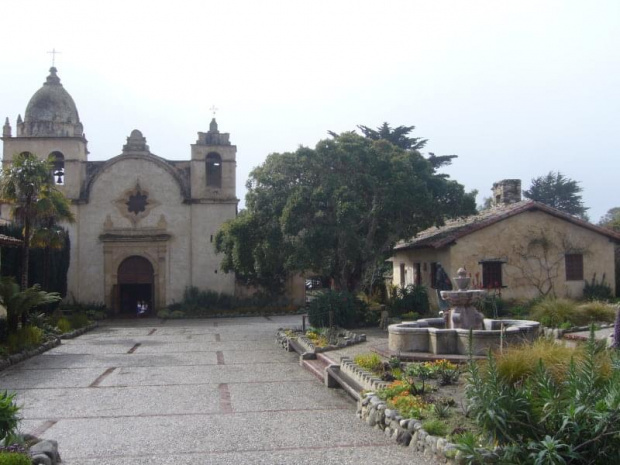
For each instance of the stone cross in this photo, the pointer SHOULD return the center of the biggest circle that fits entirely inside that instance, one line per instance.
(214, 109)
(53, 53)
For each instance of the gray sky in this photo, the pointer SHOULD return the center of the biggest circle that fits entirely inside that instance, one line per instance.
(515, 88)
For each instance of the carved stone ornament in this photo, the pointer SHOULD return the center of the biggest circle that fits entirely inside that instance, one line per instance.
(135, 204)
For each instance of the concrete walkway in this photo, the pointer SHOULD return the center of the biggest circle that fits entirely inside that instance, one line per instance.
(216, 391)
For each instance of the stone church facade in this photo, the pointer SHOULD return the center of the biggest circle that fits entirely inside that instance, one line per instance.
(145, 225)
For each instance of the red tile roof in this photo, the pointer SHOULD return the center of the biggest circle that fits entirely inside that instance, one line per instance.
(437, 237)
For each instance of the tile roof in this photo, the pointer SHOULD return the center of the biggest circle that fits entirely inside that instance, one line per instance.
(452, 230)
(10, 241)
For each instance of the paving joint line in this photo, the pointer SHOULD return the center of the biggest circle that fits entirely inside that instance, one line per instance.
(134, 348)
(40, 430)
(99, 379)
(225, 402)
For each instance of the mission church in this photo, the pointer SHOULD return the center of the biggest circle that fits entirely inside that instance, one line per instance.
(145, 225)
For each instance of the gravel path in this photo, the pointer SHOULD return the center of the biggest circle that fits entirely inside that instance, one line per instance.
(216, 391)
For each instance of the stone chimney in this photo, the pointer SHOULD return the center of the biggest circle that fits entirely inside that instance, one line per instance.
(506, 191)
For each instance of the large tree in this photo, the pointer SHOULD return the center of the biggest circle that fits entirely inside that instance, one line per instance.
(336, 210)
(27, 184)
(558, 191)
(611, 219)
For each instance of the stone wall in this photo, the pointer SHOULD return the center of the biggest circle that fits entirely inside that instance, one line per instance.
(406, 432)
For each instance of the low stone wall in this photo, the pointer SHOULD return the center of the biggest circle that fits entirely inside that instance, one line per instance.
(367, 380)
(406, 432)
(349, 337)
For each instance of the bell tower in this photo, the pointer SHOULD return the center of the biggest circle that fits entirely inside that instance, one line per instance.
(213, 166)
(51, 129)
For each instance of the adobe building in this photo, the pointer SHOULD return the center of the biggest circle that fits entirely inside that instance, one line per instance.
(517, 248)
(144, 225)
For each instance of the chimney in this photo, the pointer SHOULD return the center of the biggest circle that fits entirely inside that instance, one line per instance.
(506, 191)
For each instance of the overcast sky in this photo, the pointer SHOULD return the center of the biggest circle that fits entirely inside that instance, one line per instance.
(515, 88)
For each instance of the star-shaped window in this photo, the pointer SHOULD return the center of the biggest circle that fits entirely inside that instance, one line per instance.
(137, 203)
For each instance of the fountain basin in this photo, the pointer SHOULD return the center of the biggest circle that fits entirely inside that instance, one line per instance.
(463, 298)
(430, 336)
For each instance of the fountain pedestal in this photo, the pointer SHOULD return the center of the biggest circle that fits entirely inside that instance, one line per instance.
(462, 313)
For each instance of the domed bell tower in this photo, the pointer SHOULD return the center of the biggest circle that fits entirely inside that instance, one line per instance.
(51, 129)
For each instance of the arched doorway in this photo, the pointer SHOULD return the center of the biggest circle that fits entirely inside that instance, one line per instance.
(135, 284)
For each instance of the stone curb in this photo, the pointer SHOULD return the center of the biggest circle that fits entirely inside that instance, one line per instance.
(21, 356)
(558, 333)
(79, 331)
(56, 341)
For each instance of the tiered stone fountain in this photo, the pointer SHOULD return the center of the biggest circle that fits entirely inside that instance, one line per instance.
(450, 336)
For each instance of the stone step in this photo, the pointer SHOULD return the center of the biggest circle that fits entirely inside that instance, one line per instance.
(316, 367)
(336, 378)
(326, 359)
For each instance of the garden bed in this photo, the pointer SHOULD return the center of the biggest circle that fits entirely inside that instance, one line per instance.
(53, 341)
(420, 421)
(314, 341)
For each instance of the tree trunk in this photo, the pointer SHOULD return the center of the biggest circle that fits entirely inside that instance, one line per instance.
(46, 268)
(26, 247)
(25, 256)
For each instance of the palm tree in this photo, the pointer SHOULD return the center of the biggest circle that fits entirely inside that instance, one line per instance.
(29, 186)
(52, 208)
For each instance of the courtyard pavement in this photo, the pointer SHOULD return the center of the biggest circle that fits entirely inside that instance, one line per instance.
(213, 391)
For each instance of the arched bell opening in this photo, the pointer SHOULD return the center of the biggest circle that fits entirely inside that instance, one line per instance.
(57, 160)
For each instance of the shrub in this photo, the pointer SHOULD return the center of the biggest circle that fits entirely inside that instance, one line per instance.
(78, 320)
(347, 310)
(163, 314)
(594, 290)
(597, 312)
(369, 362)
(408, 405)
(553, 312)
(14, 458)
(63, 325)
(9, 415)
(542, 419)
(24, 338)
(177, 314)
(435, 427)
(441, 410)
(412, 298)
(518, 363)
(492, 306)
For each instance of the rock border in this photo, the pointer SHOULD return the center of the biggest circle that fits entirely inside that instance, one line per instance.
(48, 345)
(405, 431)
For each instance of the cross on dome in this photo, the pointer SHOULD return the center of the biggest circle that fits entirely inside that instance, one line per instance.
(53, 52)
